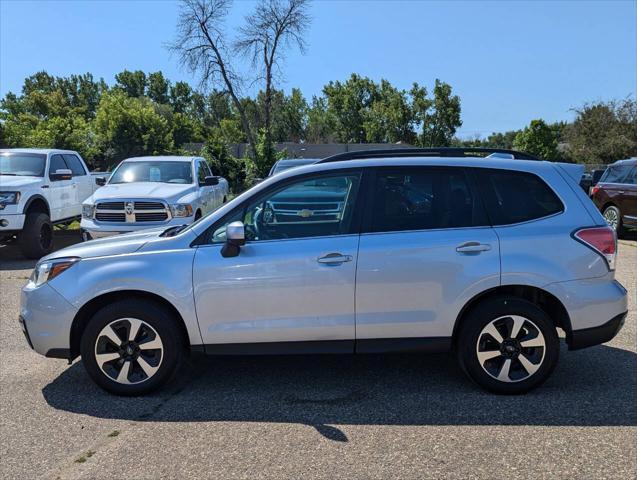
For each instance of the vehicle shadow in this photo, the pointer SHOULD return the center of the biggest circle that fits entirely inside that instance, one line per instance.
(11, 257)
(595, 387)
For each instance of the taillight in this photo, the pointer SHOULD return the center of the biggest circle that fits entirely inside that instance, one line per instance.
(594, 190)
(601, 239)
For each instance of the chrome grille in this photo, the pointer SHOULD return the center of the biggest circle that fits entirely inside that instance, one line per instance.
(142, 211)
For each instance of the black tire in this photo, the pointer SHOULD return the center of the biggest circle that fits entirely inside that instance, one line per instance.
(150, 313)
(498, 309)
(618, 226)
(36, 238)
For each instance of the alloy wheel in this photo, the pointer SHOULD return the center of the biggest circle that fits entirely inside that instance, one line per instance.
(129, 351)
(510, 348)
(611, 217)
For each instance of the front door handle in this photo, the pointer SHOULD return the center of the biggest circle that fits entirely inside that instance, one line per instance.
(334, 259)
(473, 247)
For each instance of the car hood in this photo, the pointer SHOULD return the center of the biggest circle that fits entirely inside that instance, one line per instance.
(10, 181)
(160, 191)
(115, 245)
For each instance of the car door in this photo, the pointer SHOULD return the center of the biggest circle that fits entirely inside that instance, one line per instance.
(628, 199)
(205, 191)
(83, 182)
(292, 283)
(63, 193)
(426, 248)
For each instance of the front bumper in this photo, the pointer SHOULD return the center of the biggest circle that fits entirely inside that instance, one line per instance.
(597, 335)
(92, 230)
(10, 222)
(46, 318)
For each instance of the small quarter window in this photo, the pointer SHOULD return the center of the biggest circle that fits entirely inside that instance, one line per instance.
(514, 197)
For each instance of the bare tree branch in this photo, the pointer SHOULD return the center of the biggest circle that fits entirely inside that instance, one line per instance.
(200, 46)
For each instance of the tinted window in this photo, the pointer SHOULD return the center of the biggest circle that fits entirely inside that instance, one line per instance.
(615, 173)
(632, 177)
(513, 197)
(201, 173)
(423, 198)
(313, 207)
(57, 163)
(75, 165)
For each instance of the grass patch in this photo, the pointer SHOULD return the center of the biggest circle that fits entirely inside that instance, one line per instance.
(84, 457)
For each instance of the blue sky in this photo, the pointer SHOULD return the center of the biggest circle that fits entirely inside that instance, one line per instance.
(509, 62)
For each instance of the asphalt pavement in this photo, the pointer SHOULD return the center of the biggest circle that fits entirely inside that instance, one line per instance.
(376, 416)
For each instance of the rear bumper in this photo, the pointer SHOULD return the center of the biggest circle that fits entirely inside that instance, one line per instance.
(588, 337)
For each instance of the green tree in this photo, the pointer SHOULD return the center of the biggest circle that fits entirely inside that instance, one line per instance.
(603, 132)
(440, 117)
(538, 139)
(127, 126)
(132, 83)
(158, 87)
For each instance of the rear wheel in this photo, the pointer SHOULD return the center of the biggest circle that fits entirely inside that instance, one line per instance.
(36, 238)
(613, 218)
(508, 345)
(132, 347)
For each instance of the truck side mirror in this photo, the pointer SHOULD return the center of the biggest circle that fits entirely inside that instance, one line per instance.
(61, 174)
(101, 181)
(235, 239)
(211, 181)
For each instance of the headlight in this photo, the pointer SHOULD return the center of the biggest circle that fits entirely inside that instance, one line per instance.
(87, 211)
(9, 198)
(48, 270)
(181, 210)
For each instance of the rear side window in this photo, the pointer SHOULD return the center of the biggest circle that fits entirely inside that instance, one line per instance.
(75, 165)
(632, 177)
(615, 174)
(514, 197)
(421, 198)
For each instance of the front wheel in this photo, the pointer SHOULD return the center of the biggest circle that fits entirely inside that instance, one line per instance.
(132, 347)
(36, 238)
(508, 345)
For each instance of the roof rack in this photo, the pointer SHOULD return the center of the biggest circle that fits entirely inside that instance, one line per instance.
(426, 152)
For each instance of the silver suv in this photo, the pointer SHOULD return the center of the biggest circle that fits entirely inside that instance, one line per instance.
(360, 253)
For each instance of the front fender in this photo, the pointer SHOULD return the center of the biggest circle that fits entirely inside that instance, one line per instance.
(167, 274)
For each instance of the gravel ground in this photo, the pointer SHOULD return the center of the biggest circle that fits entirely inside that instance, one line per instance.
(289, 417)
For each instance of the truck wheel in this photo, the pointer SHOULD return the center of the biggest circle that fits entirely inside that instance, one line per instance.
(508, 345)
(36, 238)
(132, 347)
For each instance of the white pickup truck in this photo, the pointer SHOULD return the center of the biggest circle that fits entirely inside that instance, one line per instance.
(148, 192)
(40, 188)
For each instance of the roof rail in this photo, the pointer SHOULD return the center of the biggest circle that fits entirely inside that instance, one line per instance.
(426, 152)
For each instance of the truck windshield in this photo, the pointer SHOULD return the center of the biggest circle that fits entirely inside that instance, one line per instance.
(22, 164)
(159, 172)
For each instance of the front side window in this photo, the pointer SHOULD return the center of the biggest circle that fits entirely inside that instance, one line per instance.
(312, 207)
(57, 163)
(514, 197)
(22, 164)
(75, 165)
(631, 179)
(202, 173)
(152, 171)
(421, 198)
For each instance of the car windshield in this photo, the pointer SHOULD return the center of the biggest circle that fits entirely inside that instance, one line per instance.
(22, 164)
(152, 171)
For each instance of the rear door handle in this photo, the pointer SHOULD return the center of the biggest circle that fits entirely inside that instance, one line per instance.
(472, 247)
(334, 259)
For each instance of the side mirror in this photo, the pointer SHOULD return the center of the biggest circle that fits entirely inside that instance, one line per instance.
(211, 181)
(61, 174)
(101, 181)
(235, 239)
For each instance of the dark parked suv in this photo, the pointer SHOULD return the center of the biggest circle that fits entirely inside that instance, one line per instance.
(616, 195)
